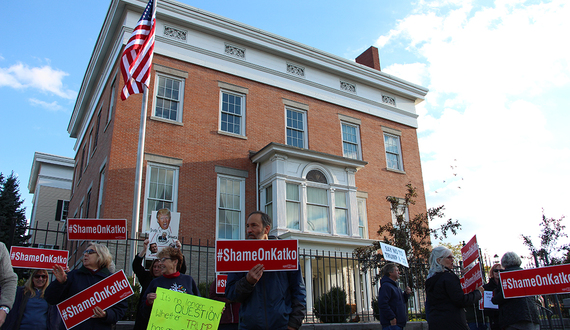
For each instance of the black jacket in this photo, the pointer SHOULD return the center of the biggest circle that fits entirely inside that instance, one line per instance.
(446, 302)
(392, 302)
(14, 318)
(492, 313)
(515, 310)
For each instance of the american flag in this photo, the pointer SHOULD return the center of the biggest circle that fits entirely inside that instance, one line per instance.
(137, 57)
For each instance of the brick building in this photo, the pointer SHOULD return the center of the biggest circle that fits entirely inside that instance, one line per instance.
(240, 119)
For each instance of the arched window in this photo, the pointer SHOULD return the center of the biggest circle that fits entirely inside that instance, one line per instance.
(316, 176)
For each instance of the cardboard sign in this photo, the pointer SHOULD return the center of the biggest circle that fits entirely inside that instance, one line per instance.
(221, 281)
(472, 279)
(177, 310)
(241, 256)
(536, 281)
(96, 229)
(470, 252)
(394, 254)
(32, 258)
(105, 293)
(162, 232)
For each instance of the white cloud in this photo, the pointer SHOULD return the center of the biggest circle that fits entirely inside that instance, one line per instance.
(45, 79)
(53, 106)
(489, 146)
(415, 73)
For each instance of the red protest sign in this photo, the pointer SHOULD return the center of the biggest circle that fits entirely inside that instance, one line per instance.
(96, 229)
(536, 281)
(472, 279)
(25, 257)
(470, 252)
(242, 255)
(105, 293)
(221, 280)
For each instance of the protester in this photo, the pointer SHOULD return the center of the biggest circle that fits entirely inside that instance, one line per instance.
(494, 283)
(30, 310)
(272, 300)
(515, 313)
(97, 264)
(230, 316)
(8, 282)
(445, 298)
(170, 259)
(391, 300)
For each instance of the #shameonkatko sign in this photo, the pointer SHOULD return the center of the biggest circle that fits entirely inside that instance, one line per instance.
(96, 229)
(105, 293)
(472, 279)
(221, 281)
(536, 281)
(25, 257)
(470, 252)
(394, 254)
(242, 255)
(177, 310)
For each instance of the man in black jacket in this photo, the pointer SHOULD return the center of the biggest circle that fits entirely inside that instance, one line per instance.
(391, 300)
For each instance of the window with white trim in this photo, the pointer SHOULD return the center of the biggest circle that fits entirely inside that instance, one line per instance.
(169, 97)
(87, 203)
(161, 190)
(362, 218)
(100, 195)
(90, 150)
(296, 128)
(317, 210)
(61, 210)
(269, 201)
(231, 207)
(232, 113)
(293, 206)
(393, 152)
(112, 101)
(341, 212)
(351, 141)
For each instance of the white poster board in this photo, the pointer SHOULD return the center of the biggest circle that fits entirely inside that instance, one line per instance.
(163, 231)
(394, 254)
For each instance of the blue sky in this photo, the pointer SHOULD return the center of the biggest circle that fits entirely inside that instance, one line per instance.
(493, 138)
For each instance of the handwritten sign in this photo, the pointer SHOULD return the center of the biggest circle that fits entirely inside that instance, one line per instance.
(470, 252)
(96, 229)
(177, 310)
(394, 254)
(25, 257)
(221, 281)
(536, 281)
(487, 296)
(472, 279)
(104, 294)
(242, 255)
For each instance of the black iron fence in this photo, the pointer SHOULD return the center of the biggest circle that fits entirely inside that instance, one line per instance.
(337, 289)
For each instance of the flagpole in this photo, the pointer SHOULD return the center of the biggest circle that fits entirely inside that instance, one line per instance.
(138, 175)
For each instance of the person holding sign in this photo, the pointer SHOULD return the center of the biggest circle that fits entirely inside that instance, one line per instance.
(515, 313)
(272, 300)
(96, 263)
(494, 282)
(391, 300)
(30, 310)
(446, 301)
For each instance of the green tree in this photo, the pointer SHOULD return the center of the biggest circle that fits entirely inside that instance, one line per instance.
(13, 223)
(413, 235)
(550, 252)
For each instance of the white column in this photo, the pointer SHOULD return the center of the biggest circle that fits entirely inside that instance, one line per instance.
(309, 284)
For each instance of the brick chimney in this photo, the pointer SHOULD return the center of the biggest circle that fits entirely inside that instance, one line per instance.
(370, 58)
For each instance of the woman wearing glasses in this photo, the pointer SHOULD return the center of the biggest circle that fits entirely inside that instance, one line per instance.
(445, 298)
(97, 264)
(30, 310)
(494, 282)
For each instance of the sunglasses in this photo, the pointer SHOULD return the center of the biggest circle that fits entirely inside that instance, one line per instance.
(89, 251)
(40, 276)
(496, 270)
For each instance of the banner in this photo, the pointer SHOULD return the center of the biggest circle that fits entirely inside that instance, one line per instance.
(394, 254)
(32, 258)
(470, 252)
(177, 310)
(221, 281)
(106, 293)
(536, 281)
(242, 255)
(96, 229)
(472, 279)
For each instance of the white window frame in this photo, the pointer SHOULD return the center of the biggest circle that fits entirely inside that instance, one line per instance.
(269, 204)
(112, 101)
(304, 130)
(180, 109)
(242, 116)
(363, 215)
(399, 154)
(298, 202)
(345, 208)
(357, 144)
(241, 222)
(90, 146)
(174, 201)
(100, 195)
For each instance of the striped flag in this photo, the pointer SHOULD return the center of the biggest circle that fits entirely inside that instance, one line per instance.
(136, 60)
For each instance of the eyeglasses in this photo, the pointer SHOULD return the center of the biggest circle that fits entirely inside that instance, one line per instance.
(89, 251)
(40, 276)
(163, 259)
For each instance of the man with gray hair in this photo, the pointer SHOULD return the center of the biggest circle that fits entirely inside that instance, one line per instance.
(391, 300)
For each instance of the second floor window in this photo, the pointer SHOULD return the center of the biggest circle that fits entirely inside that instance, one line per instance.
(350, 141)
(296, 128)
(169, 98)
(232, 119)
(393, 152)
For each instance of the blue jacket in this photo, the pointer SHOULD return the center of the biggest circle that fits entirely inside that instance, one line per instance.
(278, 300)
(14, 318)
(77, 281)
(392, 302)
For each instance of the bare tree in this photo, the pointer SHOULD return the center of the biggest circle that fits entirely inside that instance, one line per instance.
(550, 252)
